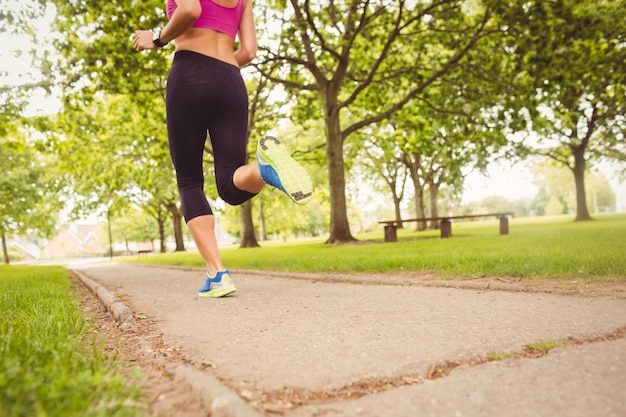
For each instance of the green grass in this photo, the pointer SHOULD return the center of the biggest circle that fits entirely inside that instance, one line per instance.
(543, 346)
(499, 356)
(48, 367)
(537, 248)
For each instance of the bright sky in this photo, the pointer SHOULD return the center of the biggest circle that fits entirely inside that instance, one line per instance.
(511, 182)
(516, 181)
(16, 65)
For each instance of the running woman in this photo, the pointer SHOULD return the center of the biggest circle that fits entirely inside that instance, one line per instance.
(205, 93)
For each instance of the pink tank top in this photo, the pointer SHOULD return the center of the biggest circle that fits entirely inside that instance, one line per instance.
(214, 16)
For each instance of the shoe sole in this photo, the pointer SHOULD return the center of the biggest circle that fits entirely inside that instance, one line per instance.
(218, 292)
(293, 177)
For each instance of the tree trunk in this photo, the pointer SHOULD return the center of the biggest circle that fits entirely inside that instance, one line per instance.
(418, 188)
(339, 226)
(262, 221)
(161, 218)
(248, 237)
(419, 204)
(433, 190)
(582, 212)
(5, 251)
(392, 181)
(177, 220)
(161, 223)
(396, 204)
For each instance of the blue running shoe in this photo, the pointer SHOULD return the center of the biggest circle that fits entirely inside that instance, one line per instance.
(280, 170)
(218, 286)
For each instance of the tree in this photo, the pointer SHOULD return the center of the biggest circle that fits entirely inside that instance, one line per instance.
(601, 197)
(28, 190)
(111, 157)
(457, 125)
(569, 56)
(97, 63)
(259, 115)
(555, 182)
(18, 22)
(355, 63)
(559, 194)
(156, 210)
(97, 59)
(380, 158)
(439, 143)
(28, 200)
(133, 226)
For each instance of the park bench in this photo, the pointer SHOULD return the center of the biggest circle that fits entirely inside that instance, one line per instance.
(391, 226)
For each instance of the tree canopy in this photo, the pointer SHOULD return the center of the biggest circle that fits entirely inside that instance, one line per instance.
(440, 86)
(569, 56)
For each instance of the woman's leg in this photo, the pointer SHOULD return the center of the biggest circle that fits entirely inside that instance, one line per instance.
(237, 181)
(248, 178)
(187, 131)
(202, 230)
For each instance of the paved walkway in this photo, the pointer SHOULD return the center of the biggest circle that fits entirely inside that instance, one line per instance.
(322, 339)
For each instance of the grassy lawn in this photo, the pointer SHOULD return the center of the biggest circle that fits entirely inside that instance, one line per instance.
(49, 365)
(536, 247)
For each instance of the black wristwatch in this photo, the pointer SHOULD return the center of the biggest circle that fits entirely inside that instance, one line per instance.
(156, 39)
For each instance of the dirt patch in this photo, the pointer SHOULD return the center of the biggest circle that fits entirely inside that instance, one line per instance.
(572, 287)
(559, 286)
(163, 394)
(579, 287)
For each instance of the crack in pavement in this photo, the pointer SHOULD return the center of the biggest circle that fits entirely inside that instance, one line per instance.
(292, 398)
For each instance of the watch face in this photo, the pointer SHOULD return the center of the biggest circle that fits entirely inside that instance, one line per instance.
(156, 39)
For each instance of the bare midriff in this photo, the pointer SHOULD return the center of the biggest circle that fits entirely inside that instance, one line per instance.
(208, 42)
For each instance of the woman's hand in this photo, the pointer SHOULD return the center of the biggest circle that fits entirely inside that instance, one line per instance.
(142, 40)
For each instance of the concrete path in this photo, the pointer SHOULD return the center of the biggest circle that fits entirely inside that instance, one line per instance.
(294, 346)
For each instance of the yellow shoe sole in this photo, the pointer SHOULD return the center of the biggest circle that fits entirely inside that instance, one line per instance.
(294, 178)
(218, 292)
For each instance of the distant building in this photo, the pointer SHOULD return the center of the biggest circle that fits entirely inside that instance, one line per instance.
(76, 240)
(26, 248)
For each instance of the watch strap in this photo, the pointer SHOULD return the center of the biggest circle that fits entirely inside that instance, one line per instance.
(156, 39)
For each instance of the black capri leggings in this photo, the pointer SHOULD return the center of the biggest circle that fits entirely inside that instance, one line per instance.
(206, 94)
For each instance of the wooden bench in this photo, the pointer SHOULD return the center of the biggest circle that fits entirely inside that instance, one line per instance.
(144, 252)
(391, 226)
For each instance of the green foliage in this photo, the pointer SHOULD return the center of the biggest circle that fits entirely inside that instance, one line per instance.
(19, 23)
(15, 20)
(453, 78)
(133, 225)
(495, 204)
(111, 133)
(569, 57)
(28, 186)
(111, 155)
(355, 63)
(521, 207)
(560, 195)
(97, 52)
(47, 365)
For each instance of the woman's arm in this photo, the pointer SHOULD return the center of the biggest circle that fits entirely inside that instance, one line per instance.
(247, 36)
(185, 15)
